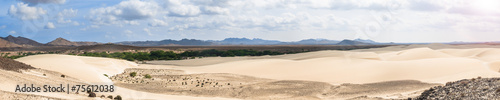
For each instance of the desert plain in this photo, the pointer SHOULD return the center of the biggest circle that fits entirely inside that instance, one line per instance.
(393, 72)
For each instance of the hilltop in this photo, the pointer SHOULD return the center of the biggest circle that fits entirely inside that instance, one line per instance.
(63, 42)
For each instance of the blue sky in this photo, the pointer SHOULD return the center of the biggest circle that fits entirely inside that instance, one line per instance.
(284, 20)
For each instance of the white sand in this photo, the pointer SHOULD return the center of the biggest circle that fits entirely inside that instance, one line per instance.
(88, 69)
(336, 67)
(91, 69)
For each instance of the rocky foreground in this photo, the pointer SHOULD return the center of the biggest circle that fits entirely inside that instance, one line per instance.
(12, 65)
(466, 89)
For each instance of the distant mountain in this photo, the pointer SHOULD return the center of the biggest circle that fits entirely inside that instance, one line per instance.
(22, 41)
(241, 41)
(315, 42)
(366, 41)
(351, 42)
(246, 41)
(63, 42)
(166, 42)
(11, 41)
(5, 43)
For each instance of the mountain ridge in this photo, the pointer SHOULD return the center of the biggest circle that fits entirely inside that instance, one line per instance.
(11, 41)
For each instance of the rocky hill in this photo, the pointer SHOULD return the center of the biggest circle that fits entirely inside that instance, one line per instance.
(64, 42)
(22, 41)
(5, 43)
(466, 89)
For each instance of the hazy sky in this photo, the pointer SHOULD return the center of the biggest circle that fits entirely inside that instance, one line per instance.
(285, 20)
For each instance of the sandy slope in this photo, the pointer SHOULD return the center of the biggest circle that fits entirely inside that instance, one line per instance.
(89, 69)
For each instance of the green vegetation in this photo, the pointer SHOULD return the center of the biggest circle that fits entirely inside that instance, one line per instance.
(23, 54)
(147, 76)
(158, 54)
(20, 54)
(133, 74)
(170, 55)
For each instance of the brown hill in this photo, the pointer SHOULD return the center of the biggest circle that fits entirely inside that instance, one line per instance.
(5, 43)
(22, 41)
(12, 65)
(64, 42)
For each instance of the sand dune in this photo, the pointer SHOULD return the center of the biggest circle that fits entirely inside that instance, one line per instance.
(84, 69)
(89, 69)
(423, 64)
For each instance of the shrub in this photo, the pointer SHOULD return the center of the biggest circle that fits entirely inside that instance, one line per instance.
(106, 75)
(63, 76)
(147, 76)
(110, 97)
(118, 97)
(133, 74)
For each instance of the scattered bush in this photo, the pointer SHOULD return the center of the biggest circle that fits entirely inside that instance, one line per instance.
(106, 75)
(63, 76)
(147, 76)
(133, 74)
(110, 97)
(118, 97)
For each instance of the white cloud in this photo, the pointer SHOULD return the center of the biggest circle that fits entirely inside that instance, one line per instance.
(182, 8)
(94, 26)
(3, 26)
(66, 13)
(12, 32)
(24, 12)
(191, 8)
(50, 25)
(156, 22)
(34, 2)
(427, 5)
(128, 33)
(131, 22)
(126, 10)
(215, 10)
(148, 31)
(76, 23)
